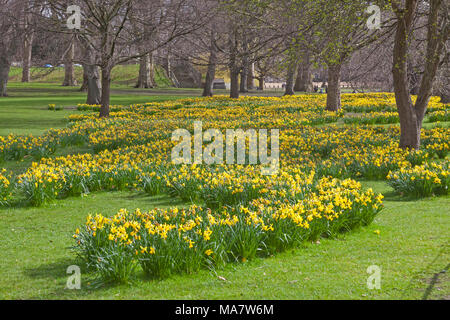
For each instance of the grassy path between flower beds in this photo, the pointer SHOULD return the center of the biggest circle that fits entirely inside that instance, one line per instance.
(411, 248)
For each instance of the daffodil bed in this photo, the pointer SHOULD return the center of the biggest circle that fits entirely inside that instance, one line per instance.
(238, 213)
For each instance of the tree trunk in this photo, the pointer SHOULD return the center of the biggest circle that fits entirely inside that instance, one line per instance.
(94, 87)
(5, 66)
(334, 88)
(443, 83)
(145, 79)
(234, 86)
(411, 116)
(244, 77)
(304, 82)
(445, 91)
(84, 85)
(152, 70)
(299, 79)
(210, 75)
(436, 39)
(69, 77)
(261, 83)
(211, 72)
(290, 81)
(410, 131)
(234, 69)
(26, 58)
(251, 77)
(106, 91)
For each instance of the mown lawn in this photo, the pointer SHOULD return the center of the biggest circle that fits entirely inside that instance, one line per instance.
(24, 111)
(412, 247)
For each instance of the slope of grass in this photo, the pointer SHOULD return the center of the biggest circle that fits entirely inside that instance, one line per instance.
(120, 75)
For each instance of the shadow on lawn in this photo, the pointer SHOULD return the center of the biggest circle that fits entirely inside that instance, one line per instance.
(156, 201)
(54, 270)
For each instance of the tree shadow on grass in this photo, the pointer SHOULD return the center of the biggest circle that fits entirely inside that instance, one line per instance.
(53, 270)
(397, 197)
(156, 201)
(57, 273)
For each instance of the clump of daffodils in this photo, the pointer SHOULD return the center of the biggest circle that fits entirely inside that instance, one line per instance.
(173, 241)
(422, 181)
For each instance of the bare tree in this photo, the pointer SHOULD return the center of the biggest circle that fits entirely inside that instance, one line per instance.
(212, 64)
(110, 28)
(411, 115)
(10, 39)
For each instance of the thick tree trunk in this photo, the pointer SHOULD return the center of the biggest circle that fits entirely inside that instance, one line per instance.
(261, 83)
(436, 39)
(69, 77)
(299, 79)
(106, 91)
(234, 86)
(411, 116)
(26, 58)
(94, 86)
(210, 75)
(304, 82)
(334, 88)
(5, 66)
(290, 81)
(211, 72)
(145, 79)
(251, 77)
(409, 125)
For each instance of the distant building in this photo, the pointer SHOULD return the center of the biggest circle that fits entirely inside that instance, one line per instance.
(274, 85)
(219, 84)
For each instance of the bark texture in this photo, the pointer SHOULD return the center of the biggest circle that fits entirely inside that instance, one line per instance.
(146, 77)
(290, 81)
(234, 86)
(251, 77)
(304, 82)
(84, 85)
(211, 72)
(261, 83)
(26, 57)
(106, 91)
(5, 66)
(334, 88)
(69, 76)
(94, 86)
(244, 77)
(443, 85)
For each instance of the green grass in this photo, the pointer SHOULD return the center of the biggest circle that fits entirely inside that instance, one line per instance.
(24, 111)
(413, 234)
